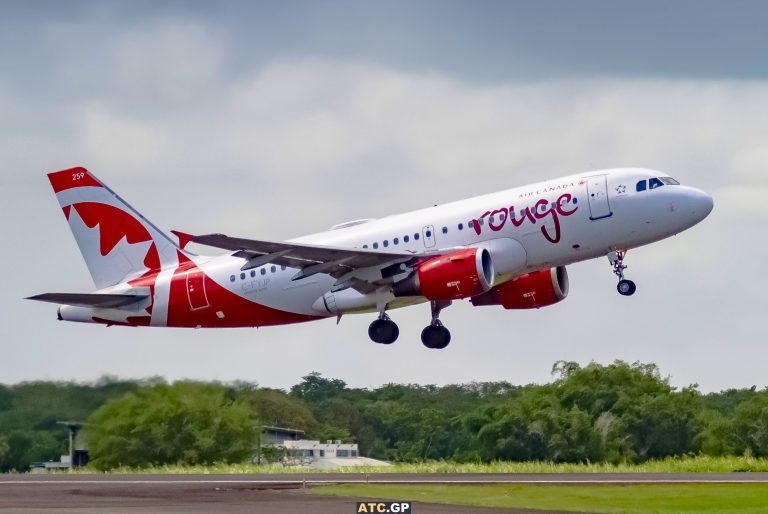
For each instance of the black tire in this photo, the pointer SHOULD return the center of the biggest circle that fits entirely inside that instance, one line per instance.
(435, 337)
(626, 287)
(383, 331)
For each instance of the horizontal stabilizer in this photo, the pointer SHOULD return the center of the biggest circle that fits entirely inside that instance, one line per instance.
(103, 301)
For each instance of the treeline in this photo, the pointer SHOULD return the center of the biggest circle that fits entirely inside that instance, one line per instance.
(617, 413)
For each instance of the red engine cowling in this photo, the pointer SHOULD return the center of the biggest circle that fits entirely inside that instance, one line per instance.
(530, 291)
(460, 274)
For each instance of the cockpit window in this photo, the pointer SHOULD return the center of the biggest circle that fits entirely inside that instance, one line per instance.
(655, 182)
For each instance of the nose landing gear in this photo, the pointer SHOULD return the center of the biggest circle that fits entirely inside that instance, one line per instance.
(383, 330)
(625, 287)
(435, 336)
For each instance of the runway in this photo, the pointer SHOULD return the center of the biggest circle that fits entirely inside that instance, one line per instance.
(276, 493)
(309, 479)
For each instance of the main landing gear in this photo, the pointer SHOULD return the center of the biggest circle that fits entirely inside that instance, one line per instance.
(383, 330)
(625, 287)
(435, 336)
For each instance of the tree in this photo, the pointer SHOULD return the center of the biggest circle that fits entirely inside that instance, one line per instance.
(535, 426)
(750, 426)
(660, 426)
(187, 423)
(277, 408)
(314, 387)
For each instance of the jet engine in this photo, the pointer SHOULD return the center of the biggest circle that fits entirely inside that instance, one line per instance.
(460, 274)
(529, 291)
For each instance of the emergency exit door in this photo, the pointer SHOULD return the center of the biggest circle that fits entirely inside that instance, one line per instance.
(196, 289)
(597, 194)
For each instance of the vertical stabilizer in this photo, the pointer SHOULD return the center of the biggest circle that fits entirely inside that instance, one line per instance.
(117, 243)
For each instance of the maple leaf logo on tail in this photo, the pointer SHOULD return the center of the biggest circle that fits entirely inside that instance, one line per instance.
(117, 243)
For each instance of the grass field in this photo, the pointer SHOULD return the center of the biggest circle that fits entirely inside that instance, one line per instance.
(629, 499)
(698, 464)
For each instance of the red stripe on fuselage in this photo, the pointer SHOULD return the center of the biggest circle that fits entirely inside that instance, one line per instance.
(132, 321)
(225, 308)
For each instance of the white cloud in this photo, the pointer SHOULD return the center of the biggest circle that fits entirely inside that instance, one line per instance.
(169, 62)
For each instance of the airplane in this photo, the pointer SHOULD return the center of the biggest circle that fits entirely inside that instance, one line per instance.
(507, 249)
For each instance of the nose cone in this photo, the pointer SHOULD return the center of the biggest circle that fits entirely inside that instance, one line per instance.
(701, 203)
(694, 205)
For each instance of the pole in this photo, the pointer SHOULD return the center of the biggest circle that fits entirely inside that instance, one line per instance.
(71, 446)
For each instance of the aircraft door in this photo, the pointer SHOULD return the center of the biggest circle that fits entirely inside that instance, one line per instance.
(597, 194)
(196, 289)
(428, 235)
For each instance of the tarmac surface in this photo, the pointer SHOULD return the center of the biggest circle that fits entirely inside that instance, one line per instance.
(278, 494)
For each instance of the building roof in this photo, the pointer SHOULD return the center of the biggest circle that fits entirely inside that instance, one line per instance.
(282, 430)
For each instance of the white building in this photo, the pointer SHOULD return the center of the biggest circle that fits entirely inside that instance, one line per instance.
(331, 454)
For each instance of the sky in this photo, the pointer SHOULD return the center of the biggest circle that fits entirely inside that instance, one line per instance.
(272, 120)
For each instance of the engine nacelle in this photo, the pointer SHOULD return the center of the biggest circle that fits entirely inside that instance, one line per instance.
(529, 291)
(460, 274)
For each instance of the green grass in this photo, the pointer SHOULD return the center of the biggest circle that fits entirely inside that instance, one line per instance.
(629, 499)
(697, 464)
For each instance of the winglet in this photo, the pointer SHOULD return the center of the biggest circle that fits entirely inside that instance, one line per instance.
(184, 238)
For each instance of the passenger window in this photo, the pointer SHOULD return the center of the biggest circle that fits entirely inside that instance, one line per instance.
(428, 233)
(273, 269)
(406, 239)
(263, 271)
(242, 276)
(365, 246)
(282, 268)
(654, 183)
(231, 278)
(396, 240)
(461, 226)
(386, 243)
(416, 236)
(445, 230)
(253, 273)
(375, 245)
(641, 186)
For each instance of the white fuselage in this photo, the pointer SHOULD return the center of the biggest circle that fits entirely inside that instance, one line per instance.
(597, 213)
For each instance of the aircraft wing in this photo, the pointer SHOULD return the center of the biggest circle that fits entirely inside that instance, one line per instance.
(105, 301)
(312, 259)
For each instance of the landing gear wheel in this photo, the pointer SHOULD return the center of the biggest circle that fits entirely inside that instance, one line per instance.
(436, 336)
(626, 287)
(383, 331)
